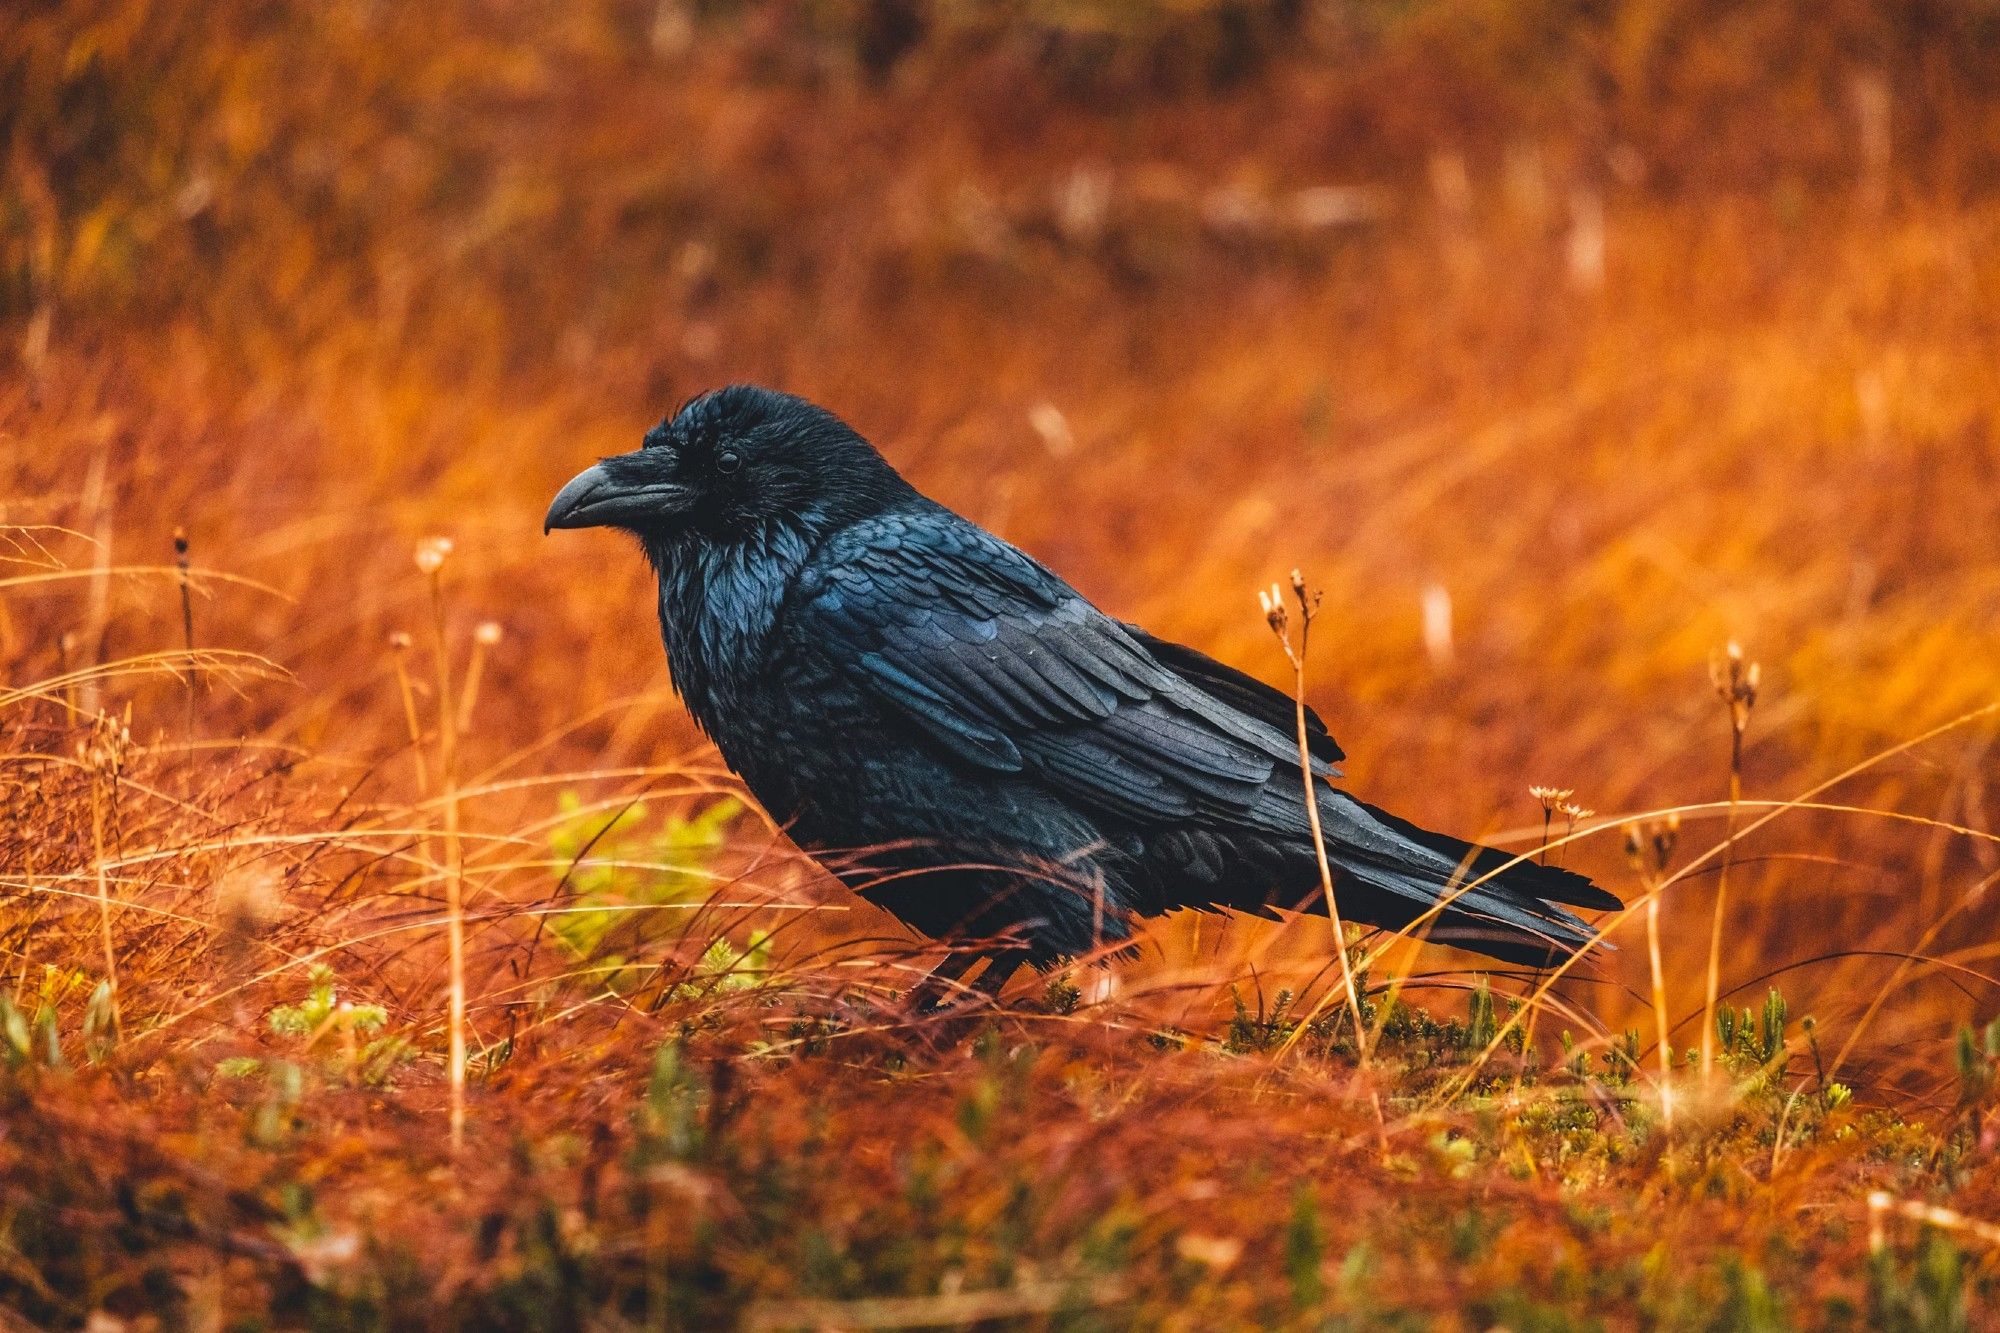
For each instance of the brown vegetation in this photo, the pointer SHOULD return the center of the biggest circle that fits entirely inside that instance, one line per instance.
(1561, 349)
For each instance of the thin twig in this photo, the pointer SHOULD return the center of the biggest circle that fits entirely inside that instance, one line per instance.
(1274, 613)
(1660, 1011)
(430, 559)
(1881, 1203)
(1736, 685)
(399, 644)
(103, 756)
(1650, 850)
(192, 678)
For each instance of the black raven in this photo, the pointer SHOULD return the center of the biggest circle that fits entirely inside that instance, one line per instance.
(889, 678)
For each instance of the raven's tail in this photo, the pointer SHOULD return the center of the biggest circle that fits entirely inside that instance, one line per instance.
(1516, 914)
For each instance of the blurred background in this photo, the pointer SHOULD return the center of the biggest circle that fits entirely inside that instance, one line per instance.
(1560, 344)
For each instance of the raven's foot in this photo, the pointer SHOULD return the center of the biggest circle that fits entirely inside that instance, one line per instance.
(942, 991)
(942, 1010)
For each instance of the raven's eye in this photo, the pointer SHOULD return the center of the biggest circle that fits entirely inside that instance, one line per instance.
(728, 461)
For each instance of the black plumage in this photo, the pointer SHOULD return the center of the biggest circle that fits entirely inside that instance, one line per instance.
(968, 742)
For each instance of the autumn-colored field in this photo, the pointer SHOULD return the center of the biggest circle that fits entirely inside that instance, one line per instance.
(1558, 347)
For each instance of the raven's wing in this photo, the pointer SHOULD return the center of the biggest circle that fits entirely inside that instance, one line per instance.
(1005, 665)
(1239, 690)
(1002, 662)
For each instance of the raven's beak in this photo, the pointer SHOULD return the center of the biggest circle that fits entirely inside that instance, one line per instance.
(594, 499)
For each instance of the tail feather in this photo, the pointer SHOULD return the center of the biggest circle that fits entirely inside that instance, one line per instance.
(1511, 913)
(1548, 883)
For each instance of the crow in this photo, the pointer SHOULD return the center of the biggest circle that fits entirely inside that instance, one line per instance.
(967, 742)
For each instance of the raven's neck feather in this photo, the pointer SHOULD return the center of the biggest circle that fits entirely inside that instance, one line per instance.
(719, 603)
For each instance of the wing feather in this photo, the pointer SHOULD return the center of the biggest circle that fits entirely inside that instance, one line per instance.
(1003, 663)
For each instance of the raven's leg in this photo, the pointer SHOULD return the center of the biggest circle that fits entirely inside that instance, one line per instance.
(998, 972)
(929, 993)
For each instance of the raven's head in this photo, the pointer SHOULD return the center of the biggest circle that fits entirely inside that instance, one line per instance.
(735, 464)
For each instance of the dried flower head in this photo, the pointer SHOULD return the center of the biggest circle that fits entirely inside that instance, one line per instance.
(103, 750)
(399, 640)
(1572, 810)
(1273, 602)
(1308, 598)
(1552, 798)
(1649, 846)
(431, 553)
(487, 633)
(1735, 682)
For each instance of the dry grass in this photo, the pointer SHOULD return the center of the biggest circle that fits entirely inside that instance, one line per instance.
(1558, 355)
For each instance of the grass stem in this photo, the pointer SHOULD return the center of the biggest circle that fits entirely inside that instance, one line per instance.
(430, 558)
(1736, 685)
(1274, 613)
